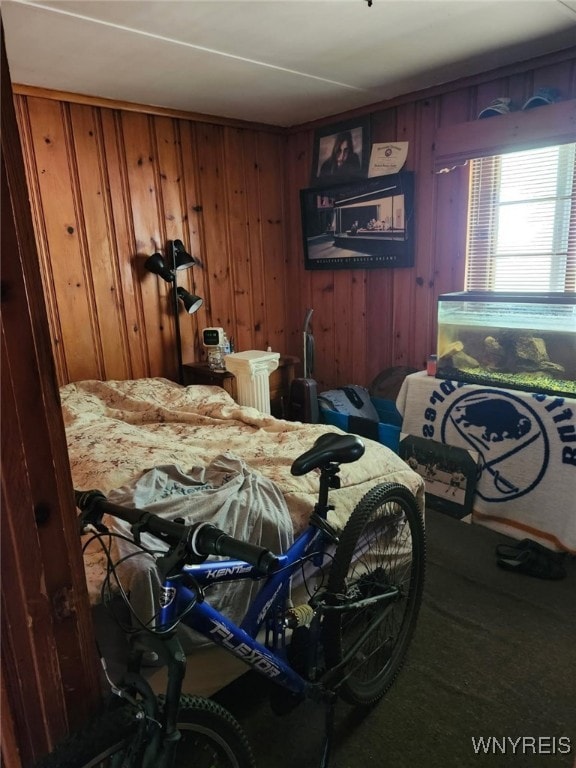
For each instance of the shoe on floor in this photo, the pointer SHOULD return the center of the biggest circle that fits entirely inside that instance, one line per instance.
(532, 559)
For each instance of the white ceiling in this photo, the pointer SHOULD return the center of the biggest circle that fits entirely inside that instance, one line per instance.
(281, 62)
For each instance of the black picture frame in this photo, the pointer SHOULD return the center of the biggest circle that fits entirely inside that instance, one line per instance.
(361, 225)
(325, 168)
(449, 472)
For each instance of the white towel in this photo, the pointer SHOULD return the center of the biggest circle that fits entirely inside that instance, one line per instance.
(527, 448)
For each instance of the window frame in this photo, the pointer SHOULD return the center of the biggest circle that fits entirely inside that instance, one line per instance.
(455, 145)
(482, 258)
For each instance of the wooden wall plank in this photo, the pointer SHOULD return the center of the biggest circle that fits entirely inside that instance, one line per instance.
(405, 319)
(358, 291)
(123, 239)
(213, 180)
(456, 106)
(375, 349)
(557, 76)
(198, 277)
(241, 257)
(324, 326)
(343, 326)
(423, 307)
(298, 153)
(273, 227)
(251, 330)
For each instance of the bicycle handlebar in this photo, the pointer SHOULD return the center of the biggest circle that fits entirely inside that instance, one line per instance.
(199, 539)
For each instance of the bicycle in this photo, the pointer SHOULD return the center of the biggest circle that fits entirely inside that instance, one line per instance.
(350, 639)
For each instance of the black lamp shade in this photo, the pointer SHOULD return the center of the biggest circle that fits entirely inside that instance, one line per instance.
(182, 260)
(192, 303)
(157, 265)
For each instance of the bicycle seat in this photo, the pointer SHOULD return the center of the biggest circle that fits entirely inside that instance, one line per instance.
(328, 449)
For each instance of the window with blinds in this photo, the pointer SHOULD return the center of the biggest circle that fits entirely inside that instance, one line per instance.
(522, 221)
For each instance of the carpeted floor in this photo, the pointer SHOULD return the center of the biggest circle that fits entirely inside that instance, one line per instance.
(494, 655)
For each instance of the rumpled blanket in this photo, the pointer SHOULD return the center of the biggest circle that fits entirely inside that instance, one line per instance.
(118, 430)
(226, 494)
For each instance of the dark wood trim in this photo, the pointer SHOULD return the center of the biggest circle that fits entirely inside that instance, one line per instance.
(515, 131)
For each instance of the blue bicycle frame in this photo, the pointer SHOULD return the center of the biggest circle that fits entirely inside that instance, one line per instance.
(268, 605)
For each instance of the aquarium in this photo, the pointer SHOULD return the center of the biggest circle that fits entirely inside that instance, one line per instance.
(523, 341)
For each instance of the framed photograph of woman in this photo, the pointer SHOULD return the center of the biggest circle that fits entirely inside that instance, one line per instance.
(341, 152)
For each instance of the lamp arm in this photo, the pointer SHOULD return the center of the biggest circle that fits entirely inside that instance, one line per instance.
(177, 326)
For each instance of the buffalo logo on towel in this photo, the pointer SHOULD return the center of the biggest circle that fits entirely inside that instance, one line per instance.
(498, 426)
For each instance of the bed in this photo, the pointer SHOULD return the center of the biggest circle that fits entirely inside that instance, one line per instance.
(150, 441)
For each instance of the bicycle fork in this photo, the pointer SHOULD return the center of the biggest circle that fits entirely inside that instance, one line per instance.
(161, 750)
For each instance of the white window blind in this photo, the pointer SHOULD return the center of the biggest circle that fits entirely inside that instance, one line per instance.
(522, 221)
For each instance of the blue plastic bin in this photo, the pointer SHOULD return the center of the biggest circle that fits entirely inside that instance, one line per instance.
(387, 429)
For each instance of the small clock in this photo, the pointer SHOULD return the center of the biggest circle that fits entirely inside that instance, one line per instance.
(213, 337)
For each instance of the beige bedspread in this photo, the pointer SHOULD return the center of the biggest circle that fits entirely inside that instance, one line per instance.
(118, 430)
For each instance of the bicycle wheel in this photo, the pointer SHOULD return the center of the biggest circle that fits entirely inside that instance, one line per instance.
(210, 738)
(382, 548)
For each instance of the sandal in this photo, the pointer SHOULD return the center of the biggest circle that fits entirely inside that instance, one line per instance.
(534, 560)
(512, 550)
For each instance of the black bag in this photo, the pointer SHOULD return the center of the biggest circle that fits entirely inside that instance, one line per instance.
(303, 401)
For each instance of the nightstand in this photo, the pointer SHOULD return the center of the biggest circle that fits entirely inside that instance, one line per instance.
(200, 373)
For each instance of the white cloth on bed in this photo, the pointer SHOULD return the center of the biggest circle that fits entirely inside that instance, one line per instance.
(226, 494)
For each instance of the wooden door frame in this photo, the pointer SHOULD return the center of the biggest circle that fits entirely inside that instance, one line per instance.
(50, 679)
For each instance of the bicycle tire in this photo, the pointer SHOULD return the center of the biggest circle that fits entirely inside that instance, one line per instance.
(382, 545)
(210, 738)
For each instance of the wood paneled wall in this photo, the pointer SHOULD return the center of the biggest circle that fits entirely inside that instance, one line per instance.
(111, 186)
(366, 321)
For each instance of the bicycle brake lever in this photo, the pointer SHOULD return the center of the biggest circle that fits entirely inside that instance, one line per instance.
(89, 518)
(90, 527)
